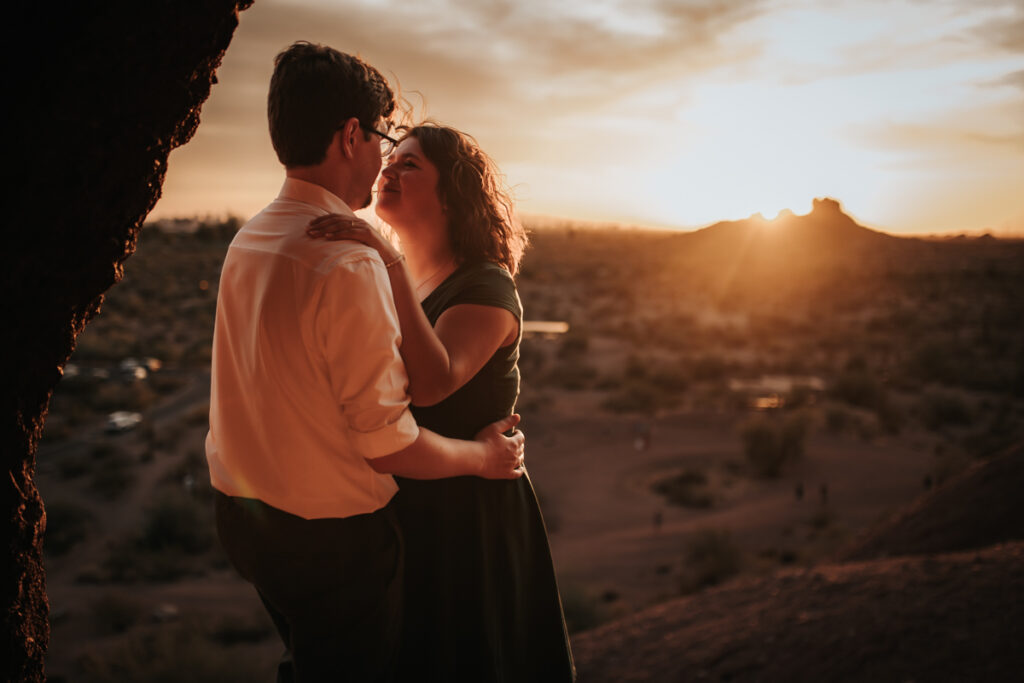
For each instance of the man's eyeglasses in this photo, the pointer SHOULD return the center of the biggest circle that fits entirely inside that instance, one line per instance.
(387, 143)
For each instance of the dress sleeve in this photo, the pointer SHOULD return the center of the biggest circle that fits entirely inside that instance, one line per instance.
(358, 333)
(488, 284)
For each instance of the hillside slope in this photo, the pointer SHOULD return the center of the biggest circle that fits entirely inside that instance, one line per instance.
(946, 618)
(980, 507)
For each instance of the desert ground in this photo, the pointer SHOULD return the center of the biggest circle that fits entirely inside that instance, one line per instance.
(689, 431)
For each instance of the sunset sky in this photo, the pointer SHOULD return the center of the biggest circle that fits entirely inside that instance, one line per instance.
(673, 113)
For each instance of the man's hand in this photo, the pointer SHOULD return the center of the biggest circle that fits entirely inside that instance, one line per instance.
(504, 459)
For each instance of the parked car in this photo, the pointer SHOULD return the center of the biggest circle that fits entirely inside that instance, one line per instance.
(123, 421)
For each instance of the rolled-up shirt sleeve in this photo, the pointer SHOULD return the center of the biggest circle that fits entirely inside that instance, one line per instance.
(357, 328)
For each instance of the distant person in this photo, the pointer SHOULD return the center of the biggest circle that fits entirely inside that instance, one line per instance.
(641, 436)
(308, 410)
(482, 604)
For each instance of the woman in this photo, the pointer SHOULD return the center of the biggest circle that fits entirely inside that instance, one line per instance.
(481, 599)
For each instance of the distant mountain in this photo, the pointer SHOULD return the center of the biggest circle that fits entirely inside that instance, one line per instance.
(824, 237)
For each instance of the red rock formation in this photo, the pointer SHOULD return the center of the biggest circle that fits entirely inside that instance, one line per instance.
(98, 95)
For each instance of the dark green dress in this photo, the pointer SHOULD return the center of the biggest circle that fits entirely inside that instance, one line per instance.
(481, 603)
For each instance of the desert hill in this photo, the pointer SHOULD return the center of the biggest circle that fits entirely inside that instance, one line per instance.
(793, 259)
(824, 234)
(945, 618)
(978, 508)
(925, 616)
(826, 241)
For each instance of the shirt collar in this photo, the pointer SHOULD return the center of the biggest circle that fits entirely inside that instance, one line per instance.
(316, 195)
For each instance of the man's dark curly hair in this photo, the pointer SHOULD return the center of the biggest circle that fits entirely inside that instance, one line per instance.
(314, 90)
(481, 223)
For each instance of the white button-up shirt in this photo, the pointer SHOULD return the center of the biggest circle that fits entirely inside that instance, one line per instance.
(307, 380)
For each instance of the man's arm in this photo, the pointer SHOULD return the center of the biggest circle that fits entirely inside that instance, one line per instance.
(491, 455)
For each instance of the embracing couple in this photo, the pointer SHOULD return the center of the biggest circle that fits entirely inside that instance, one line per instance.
(368, 476)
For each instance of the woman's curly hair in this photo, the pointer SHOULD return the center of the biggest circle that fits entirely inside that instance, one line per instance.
(481, 223)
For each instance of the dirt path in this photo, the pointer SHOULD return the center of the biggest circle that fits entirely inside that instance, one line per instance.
(596, 493)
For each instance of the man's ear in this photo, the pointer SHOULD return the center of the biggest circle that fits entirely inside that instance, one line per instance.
(347, 137)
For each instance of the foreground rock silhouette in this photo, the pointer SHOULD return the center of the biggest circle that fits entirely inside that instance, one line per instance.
(99, 95)
(937, 613)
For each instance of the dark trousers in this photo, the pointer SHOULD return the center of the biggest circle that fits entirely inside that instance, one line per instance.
(332, 586)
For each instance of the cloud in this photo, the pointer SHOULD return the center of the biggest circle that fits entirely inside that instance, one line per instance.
(922, 35)
(952, 141)
(511, 53)
(518, 75)
(1014, 79)
(1005, 31)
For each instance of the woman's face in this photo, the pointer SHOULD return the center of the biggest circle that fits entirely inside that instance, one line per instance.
(407, 189)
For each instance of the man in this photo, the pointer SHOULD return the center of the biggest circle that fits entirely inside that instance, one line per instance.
(308, 412)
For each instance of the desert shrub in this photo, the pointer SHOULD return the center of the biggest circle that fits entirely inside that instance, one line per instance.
(949, 463)
(174, 653)
(573, 375)
(671, 380)
(113, 613)
(192, 473)
(709, 368)
(111, 469)
(644, 387)
(1000, 430)
(218, 232)
(198, 352)
(103, 449)
(175, 540)
(822, 518)
(165, 384)
(135, 395)
(531, 357)
(933, 360)
(769, 443)
(710, 557)
(686, 489)
(127, 562)
(79, 412)
(857, 387)
(111, 343)
(72, 466)
(252, 629)
(890, 417)
(636, 396)
(552, 520)
(942, 408)
(57, 430)
(112, 475)
(801, 396)
(67, 524)
(838, 419)
(177, 522)
(575, 342)
(583, 610)
(200, 415)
